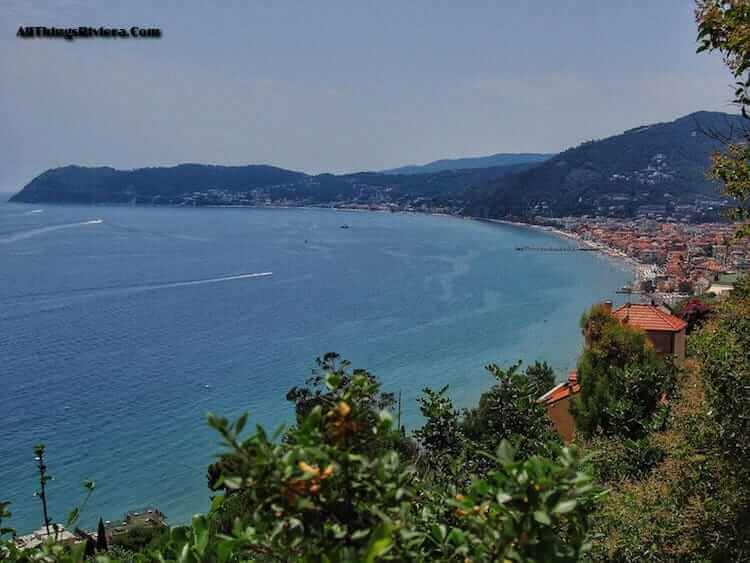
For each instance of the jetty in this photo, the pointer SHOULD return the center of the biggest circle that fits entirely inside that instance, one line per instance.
(555, 249)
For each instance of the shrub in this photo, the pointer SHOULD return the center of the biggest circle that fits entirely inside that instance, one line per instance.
(625, 386)
(454, 444)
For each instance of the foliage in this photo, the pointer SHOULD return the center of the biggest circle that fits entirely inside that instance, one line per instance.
(138, 537)
(5, 513)
(101, 536)
(613, 460)
(695, 312)
(625, 386)
(732, 169)
(44, 478)
(723, 348)
(441, 439)
(694, 503)
(317, 496)
(510, 411)
(588, 179)
(691, 506)
(453, 444)
(724, 26)
(317, 393)
(370, 400)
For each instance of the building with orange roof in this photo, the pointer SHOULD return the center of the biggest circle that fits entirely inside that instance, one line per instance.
(665, 331)
(557, 401)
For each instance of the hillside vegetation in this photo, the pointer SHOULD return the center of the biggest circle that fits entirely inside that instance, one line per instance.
(663, 163)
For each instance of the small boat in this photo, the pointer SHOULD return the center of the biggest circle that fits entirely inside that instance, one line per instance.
(344, 226)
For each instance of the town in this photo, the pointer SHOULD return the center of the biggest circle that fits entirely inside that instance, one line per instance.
(673, 256)
(671, 259)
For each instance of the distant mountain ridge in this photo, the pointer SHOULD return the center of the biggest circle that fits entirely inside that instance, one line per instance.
(657, 164)
(80, 184)
(662, 165)
(176, 184)
(500, 159)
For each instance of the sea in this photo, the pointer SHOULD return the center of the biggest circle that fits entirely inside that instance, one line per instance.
(122, 327)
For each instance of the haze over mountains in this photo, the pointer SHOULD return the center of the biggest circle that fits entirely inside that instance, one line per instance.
(500, 159)
(657, 164)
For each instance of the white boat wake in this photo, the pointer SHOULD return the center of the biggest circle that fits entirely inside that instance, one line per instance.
(43, 230)
(199, 282)
(55, 300)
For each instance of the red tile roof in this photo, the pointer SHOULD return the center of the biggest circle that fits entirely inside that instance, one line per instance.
(648, 317)
(561, 391)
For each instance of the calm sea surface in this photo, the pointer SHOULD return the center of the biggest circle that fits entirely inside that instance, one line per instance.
(121, 328)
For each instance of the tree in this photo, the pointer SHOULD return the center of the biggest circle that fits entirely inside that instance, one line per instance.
(310, 497)
(724, 26)
(695, 312)
(510, 411)
(723, 349)
(4, 515)
(624, 384)
(369, 398)
(690, 506)
(320, 494)
(101, 537)
(44, 478)
(453, 445)
(441, 440)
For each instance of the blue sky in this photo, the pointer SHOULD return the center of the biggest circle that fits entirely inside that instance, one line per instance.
(341, 85)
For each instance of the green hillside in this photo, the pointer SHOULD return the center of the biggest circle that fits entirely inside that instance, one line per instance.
(663, 163)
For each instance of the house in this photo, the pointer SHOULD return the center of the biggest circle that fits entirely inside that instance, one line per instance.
(665, 331)
(557, 401)
(144, 523)
(56, 532)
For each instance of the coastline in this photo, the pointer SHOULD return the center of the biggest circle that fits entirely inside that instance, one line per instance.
(634, 266)
(631, 264)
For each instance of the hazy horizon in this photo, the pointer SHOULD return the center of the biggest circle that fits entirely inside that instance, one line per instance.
(341, 87)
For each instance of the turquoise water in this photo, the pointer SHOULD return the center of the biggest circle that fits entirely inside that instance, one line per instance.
(121, 327)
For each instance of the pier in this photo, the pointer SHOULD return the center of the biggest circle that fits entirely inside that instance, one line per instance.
(554, 249)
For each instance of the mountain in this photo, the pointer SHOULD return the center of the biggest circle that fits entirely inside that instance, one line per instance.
(662, 164)
(500, 159)
(208, 184)
(79, 184)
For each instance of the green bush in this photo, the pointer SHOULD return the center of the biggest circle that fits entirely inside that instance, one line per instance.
(314, 496)
(454, 444)
(625, 386)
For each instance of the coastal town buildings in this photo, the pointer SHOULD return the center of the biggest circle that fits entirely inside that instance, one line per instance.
(665, 332)
(56, 532)
(672, 259)
(557, 402)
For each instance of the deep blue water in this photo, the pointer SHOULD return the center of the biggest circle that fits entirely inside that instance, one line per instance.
(111, 356)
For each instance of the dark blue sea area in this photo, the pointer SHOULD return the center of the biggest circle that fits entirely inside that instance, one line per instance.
(120, 328)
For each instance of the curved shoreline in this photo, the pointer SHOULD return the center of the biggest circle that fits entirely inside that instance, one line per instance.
(631, 264)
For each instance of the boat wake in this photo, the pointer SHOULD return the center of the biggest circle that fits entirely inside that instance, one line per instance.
(199, 282)
(43, 230)
(65, 297)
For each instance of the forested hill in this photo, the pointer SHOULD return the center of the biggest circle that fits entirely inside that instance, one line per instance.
(659, 164)
(500, 159)
(188, 183)
(79, 184)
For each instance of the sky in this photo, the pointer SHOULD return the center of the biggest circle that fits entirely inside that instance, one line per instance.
(340, 86)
